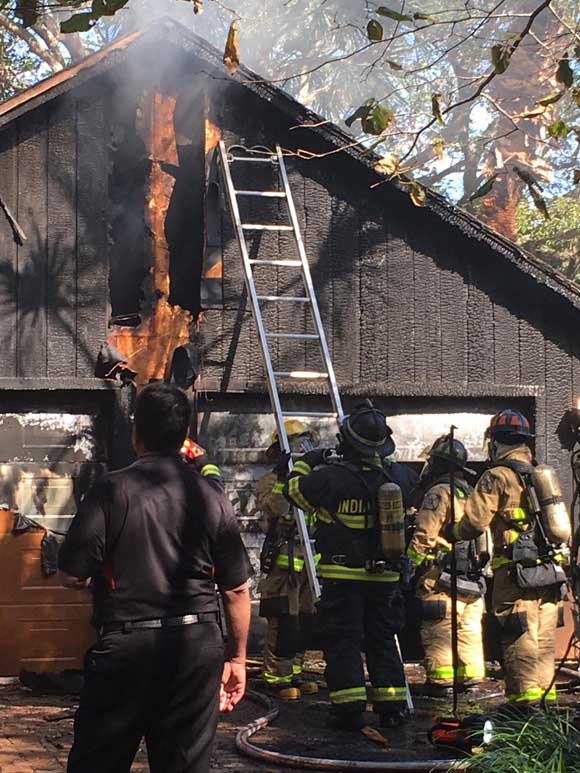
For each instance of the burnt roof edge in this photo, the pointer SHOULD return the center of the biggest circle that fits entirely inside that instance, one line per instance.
(111, 56)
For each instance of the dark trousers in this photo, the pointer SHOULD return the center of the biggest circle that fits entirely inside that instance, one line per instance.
(161, 685)
(356, 617)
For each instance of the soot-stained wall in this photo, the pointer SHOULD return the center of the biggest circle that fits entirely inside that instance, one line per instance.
(413, 308)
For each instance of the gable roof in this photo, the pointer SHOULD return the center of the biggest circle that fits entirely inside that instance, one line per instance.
(168, 29)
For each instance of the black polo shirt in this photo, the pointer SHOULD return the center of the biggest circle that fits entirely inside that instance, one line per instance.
(156, 538)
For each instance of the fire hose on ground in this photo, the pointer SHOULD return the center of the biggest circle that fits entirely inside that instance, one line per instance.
(245, 746)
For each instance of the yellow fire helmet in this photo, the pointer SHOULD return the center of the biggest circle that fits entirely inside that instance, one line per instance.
(292, 427)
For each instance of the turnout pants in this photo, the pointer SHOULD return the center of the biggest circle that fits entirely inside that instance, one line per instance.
(161, 685)
(287, 602)
(436, 637)
(527, 621)
(362, 616)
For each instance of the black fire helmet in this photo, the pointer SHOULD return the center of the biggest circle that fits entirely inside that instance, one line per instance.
(366, 431)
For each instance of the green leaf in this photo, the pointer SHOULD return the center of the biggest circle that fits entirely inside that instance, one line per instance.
(436, 107)
(551, 99)
(424, 17)
(382, 11)
(360, 113)
(388, 165)
(564, 74)
(374, 31)
(394, 65)
(526, 176)
(539, 201)
(80, 22)
(500, 57)
(484, 189)
(439, 147)
(533, 113)
(377, 120)
(559, 129)
(418, 194)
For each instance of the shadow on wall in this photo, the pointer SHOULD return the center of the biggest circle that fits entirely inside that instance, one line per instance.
(40, 305)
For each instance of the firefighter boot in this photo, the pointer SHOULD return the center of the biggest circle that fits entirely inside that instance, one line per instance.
(393, 717)
(343, 719)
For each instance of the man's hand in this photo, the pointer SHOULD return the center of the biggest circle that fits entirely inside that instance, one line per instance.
(73, 583)
(233, 685)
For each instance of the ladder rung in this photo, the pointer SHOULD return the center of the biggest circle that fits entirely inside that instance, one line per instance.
(282, 298)
(300, 374)
(309, 336)
(265, 160)
(260, 227)
(256, 262)
(263, 194)
(310, 414)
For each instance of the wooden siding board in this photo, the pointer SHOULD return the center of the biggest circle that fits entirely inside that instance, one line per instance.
(62, 173)
(344, 244)
(92, 243)
(506, 344)
(532, 362)
(32, 255)
(400, 307)
(8, 253)
(318, 245)
(372, 328)
(559, 396)
(481, 365)
(427, 315)
(453, 308)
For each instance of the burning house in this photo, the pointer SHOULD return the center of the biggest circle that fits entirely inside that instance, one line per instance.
(114, 229)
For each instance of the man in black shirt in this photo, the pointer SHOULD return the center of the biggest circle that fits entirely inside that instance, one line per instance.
(155, 539)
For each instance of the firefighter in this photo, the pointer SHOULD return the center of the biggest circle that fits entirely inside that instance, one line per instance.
(361, 606)
(430, 554)
(527, 578)
(285, 596)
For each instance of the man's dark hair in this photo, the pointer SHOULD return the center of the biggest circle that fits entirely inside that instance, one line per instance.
(162, 417)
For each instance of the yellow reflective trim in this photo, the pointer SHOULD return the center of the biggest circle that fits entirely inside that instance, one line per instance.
(443, 672)
(302, 468)
(296, 495)
(531, 694)
(382, 694)
(270, 678)
(350, 695)
(457, 530)
(354, 521)
(552, 695)
(416, 558)
(499, 561)
(210, 469)
(335, 572)
(278, 488)
(296, 669)
(519, 514)
(283, 562)
(470, 672)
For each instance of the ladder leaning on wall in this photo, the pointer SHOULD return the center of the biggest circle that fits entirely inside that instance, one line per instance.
(239, 155)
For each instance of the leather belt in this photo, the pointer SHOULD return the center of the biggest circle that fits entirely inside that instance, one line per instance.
(163, 622)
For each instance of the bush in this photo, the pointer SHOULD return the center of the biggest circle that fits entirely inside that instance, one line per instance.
(544, 743)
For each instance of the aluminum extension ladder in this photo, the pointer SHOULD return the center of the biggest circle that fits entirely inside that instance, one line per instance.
(258, 155)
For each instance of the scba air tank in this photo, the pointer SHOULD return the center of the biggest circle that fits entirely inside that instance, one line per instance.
(392, 521)
(553, 511)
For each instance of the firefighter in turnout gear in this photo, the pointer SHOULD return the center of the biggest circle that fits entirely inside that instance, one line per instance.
(361, 606)
(429, 552)
(285, 596)
(528, 578)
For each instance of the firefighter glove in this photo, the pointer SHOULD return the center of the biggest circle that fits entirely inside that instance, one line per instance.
(316, 457)
(281, 468)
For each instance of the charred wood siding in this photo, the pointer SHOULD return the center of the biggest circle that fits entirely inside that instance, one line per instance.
(54, 287)
(410, 304)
